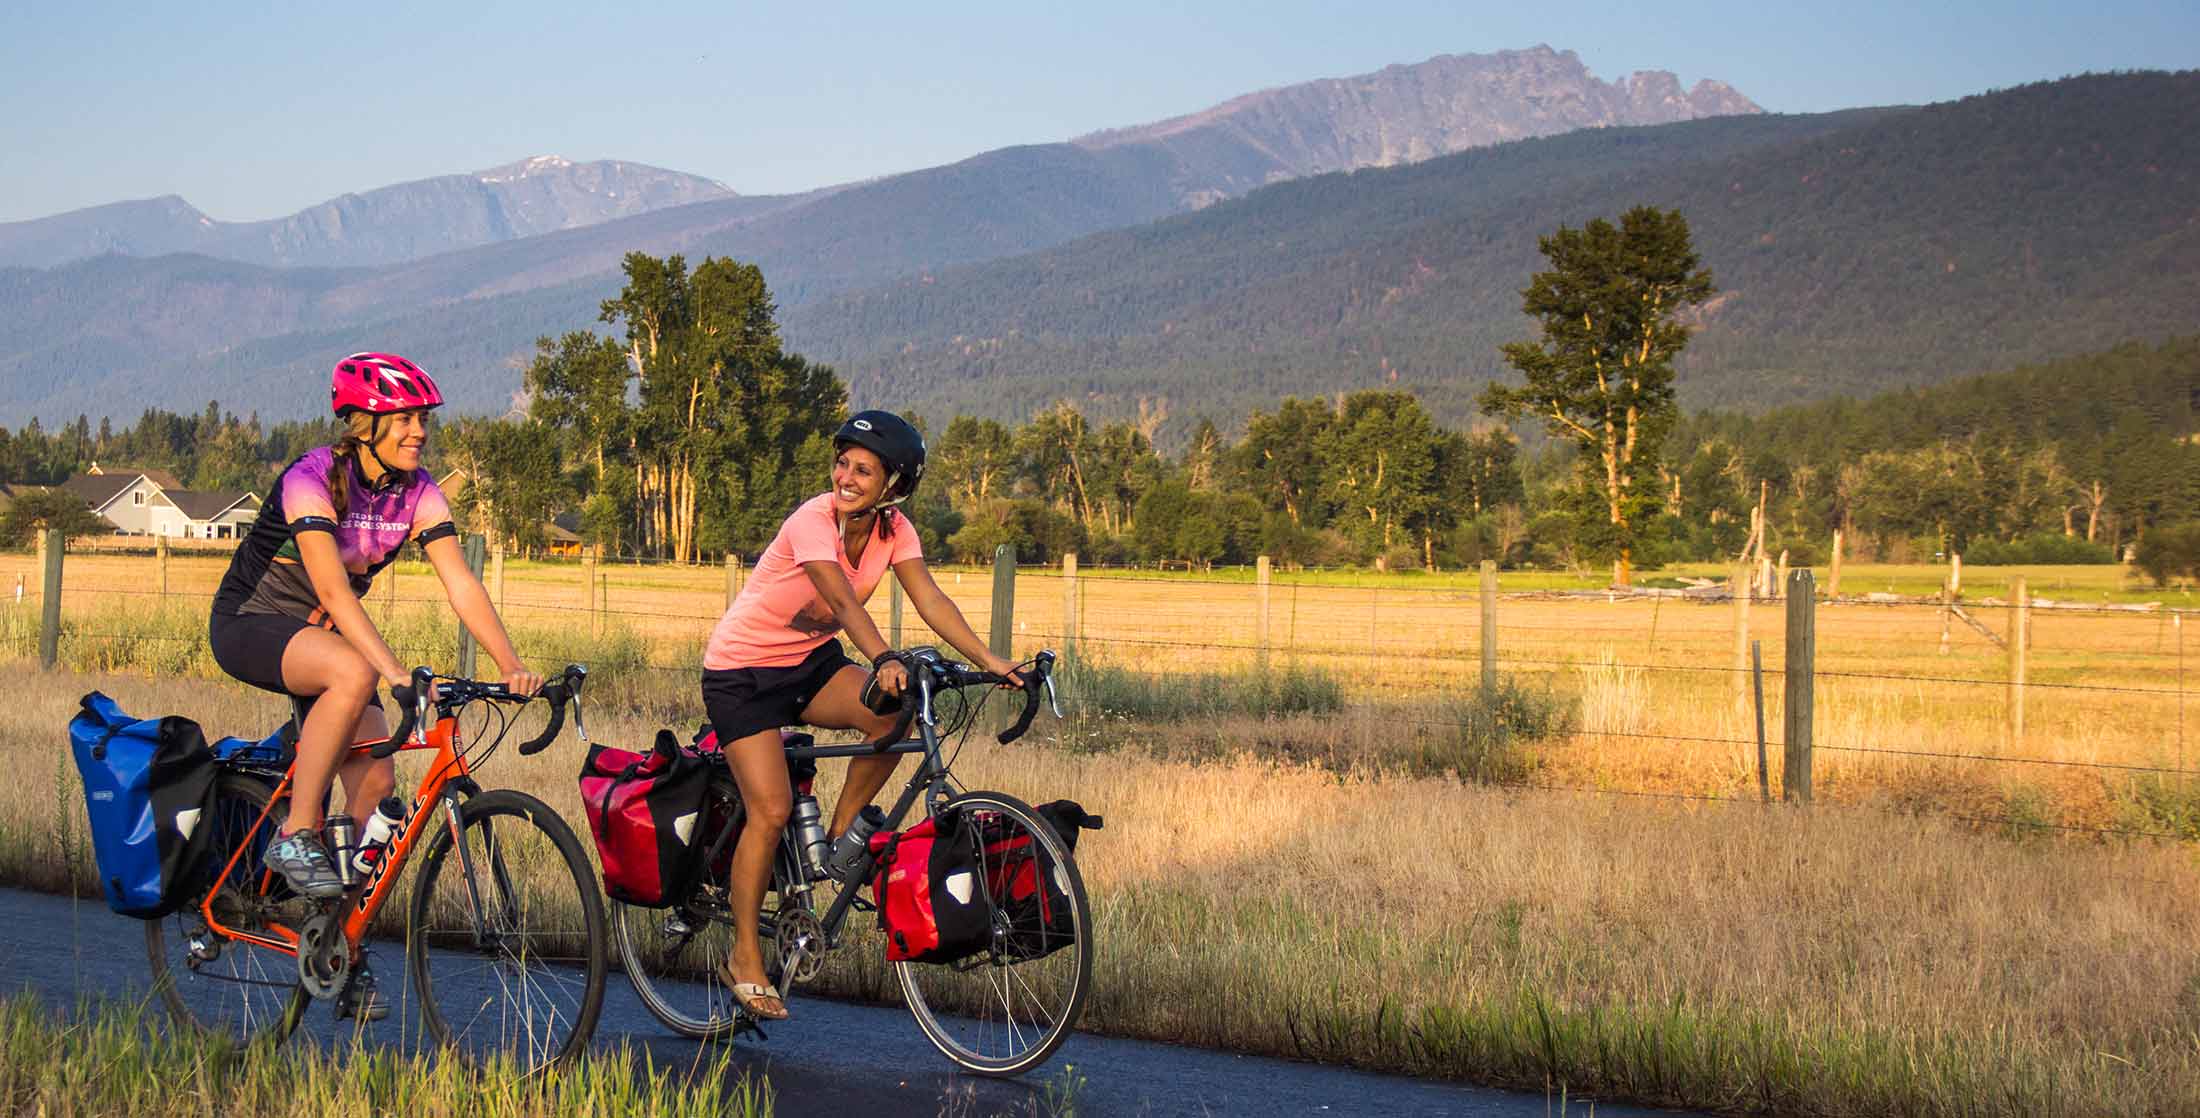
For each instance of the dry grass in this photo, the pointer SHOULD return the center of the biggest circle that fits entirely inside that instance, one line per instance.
(1834, 961)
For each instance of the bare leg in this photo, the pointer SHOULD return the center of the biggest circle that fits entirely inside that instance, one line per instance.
(840, 707)
(365, 779)
(323, 666)
(759, 764)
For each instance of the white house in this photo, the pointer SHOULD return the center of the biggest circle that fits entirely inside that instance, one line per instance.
(154, 503)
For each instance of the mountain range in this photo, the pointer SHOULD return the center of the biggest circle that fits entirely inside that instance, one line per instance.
(389, 225)
(1366, 230)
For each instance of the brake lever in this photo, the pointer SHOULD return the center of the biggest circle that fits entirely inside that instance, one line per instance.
(423, 682)
(1053, 702)
(575, 675)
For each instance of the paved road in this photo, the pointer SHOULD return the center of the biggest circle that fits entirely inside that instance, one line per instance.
(833, 1059)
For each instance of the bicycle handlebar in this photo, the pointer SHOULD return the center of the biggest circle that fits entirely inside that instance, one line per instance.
(454, 693)
(1042, 666)
(410, 697)
(556, 692)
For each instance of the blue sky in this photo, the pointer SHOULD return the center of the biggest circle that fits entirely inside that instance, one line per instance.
(253, 110)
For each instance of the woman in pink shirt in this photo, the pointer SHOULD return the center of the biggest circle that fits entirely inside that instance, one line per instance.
(773, 660)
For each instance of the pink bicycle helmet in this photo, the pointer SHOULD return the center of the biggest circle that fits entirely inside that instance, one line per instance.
(380, 383)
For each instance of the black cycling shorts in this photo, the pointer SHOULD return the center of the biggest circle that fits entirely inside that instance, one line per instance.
(744, 701)
(249, 646)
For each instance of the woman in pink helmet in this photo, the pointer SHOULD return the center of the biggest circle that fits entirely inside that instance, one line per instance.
(288, 617)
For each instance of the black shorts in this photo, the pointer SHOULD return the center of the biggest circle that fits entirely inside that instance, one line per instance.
(744, 701)
(249, 646)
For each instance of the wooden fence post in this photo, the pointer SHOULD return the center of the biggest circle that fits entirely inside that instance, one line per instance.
(496, 575)
(160, 561)
(1947, 615)
(1765, 588)
(49, 632)
(2020, 622)
(1802, 643)
(1739, 582)
(893, 612)
(1069, 603)
(588, 592)
(1833, 582)
(1955, 574)
(1780, 577)
(1263, 573)
(733, 578)
(1489, 626)
(477, 550)
(1757, 679)
(1004, 600)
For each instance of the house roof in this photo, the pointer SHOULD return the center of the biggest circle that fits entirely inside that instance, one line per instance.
(98, 489)
(207, 504)
(161, 478)
(555, 534)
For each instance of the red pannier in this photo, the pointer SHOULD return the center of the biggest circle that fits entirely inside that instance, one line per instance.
(645, 810)
(926, 889)
(1033, 894)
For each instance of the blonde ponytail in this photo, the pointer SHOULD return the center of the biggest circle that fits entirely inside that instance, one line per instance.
(346, 450)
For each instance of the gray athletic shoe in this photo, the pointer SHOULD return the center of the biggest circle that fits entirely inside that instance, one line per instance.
(304, 862)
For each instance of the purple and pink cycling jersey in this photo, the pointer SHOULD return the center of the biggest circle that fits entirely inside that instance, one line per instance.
(267, 577)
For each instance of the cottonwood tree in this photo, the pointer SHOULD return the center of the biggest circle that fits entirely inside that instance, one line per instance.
(1610, 309)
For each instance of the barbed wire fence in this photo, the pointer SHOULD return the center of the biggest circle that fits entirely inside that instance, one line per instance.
(1389, 643)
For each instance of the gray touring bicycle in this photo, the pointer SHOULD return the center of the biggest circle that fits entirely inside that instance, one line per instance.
(1000, 1012)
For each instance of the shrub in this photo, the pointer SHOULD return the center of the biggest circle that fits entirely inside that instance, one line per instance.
(1099, 687)
(2170, 551)
(2042, 548)
(1482, 731)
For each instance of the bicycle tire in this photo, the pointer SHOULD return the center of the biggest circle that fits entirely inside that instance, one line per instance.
(244, 992)
(973, 1021)
(517, 989)
(675, 974)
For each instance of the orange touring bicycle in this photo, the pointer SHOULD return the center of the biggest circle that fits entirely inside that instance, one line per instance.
(504, 937)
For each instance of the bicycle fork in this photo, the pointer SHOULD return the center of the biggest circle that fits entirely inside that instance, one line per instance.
(488, 931)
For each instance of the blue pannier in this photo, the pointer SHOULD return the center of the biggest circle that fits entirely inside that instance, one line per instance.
(148, 783)
(274, 751)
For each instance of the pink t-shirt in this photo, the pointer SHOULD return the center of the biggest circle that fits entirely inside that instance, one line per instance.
(779, 618)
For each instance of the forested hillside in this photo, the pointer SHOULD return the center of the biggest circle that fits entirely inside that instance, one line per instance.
(1853, 252)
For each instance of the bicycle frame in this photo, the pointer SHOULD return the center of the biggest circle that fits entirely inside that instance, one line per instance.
(930, 778)
(448, 768)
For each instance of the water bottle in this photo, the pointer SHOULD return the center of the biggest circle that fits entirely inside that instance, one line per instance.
(809, 830)
(848, 849)
(387, 817)
(341, 834)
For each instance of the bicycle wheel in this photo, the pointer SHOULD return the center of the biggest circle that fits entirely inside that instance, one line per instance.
(505, 939)
(672, 954)
(210, 982)
(1004, 1011)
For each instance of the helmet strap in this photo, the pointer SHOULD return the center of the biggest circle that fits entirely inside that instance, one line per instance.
(390, 474)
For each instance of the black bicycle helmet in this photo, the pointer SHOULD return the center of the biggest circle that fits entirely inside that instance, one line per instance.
(896, 443)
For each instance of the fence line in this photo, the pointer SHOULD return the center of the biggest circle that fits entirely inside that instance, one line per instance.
(1400, 623)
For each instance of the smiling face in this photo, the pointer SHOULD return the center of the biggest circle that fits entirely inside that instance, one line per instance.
(859, 480)
(403, 435)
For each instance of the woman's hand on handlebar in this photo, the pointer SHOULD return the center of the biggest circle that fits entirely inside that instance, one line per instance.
(520, 681)
(892, 677)
(403, 681)
(1013, 679)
